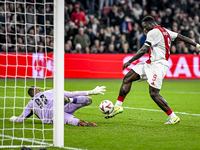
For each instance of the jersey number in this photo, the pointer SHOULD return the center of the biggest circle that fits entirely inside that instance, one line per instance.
(40, 100)
(154, 77)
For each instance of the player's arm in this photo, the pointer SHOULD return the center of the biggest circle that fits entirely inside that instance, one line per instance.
(187, 40)
(95, 91)
(25, 114)
(138, 55)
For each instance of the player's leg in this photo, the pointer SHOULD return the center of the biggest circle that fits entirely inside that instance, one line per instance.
(126, 86)
(162, 103)
(71, 120)
(76, 103)
(124, 90)
(155, 74)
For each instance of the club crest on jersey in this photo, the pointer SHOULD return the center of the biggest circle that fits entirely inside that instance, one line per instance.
(165, 33)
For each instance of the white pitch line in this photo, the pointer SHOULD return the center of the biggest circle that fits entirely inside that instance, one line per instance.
(167, 92)
(183, 113)
(43, 144)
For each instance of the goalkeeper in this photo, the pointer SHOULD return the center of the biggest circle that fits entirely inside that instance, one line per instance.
(41, 105)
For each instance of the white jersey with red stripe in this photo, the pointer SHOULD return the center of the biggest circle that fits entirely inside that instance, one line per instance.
(159, 39)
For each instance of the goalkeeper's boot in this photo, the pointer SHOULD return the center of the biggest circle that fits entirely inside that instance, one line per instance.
(116, 110)
(91, 124)
(66, 100)
(87, 124)
(173, 120)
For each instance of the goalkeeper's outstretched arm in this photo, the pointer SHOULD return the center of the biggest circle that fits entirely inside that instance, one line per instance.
(25, 114)
(95, 91)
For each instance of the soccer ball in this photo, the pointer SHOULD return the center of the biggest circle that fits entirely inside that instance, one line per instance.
(106, 107)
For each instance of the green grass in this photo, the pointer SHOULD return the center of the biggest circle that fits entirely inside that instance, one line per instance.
(133, 129)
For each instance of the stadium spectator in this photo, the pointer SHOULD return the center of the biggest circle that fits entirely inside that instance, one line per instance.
(117, 33)
(95, 26)
(19, 16)
(192, 49)
(67, 48)
(108, 34)
(40, 48)
(167, 19)
(78, 49)
(2, 37)
(101, 36)
(95, 47)
(123, 39)
(74, 2)
(90, 4)
(83, 39)
(120, 18)
(137, 11)
(30, 14)
(40, 17)
(31, 41)
(3, 48)
(70, 44)
(78, 15)
(114, 42)
(125, 49)
(91, 35)
(71, 32)
(102, 49)
(20, 47)
(113, 13)
(111, 49)
(125, 9)
(101, 4)
(69, 12)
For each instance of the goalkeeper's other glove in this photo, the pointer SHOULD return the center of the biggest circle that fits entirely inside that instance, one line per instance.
(97, 90)
(198, 46)
(13, 118)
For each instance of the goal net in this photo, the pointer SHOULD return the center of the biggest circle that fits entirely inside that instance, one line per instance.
(27, 58)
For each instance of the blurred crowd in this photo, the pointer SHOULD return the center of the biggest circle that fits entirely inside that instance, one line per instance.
(95, 26)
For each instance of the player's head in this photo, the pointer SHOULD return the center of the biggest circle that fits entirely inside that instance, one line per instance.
(33, 90)
(148, 23)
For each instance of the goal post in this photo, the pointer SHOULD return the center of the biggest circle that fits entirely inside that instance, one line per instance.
(58, 131)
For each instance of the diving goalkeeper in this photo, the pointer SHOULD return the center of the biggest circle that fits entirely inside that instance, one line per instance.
(41, 104)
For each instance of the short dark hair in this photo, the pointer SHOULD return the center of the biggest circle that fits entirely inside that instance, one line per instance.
(31, 91)
(148, 19)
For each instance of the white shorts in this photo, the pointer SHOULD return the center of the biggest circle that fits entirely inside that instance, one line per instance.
(154, 73)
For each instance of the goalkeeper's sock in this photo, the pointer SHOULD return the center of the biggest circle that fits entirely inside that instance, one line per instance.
(72, 121)
(120, 101)
(80, 100)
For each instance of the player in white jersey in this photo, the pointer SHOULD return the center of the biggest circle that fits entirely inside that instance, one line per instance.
(41, 104)
(158, 43)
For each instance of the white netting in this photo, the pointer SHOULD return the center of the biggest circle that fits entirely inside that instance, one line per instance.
(26, 37)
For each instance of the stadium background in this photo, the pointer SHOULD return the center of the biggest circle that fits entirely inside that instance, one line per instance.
(112, 28)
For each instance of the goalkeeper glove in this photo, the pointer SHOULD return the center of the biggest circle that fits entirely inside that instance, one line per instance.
(13, 118)
(198, 46)
(97, 90)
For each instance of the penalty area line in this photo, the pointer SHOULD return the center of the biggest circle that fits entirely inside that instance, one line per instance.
(146, 109)
(42, 144)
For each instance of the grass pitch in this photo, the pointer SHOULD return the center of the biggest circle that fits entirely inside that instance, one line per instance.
(140, 126)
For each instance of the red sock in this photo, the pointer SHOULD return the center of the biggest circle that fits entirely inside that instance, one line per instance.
(120, 98)
(169, 112)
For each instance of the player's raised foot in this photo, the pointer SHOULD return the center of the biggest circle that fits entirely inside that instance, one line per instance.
(173, 120)
(87, 124)
(116, 110)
